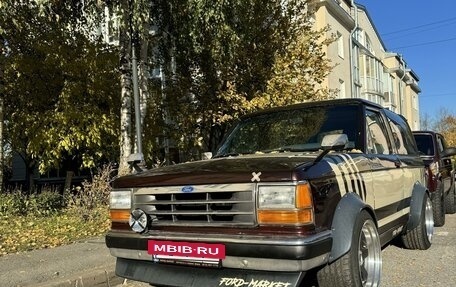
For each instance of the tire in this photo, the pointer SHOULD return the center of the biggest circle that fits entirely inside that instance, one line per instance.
(362, 265)
(421, 236)
(450, 201)
(438, 206)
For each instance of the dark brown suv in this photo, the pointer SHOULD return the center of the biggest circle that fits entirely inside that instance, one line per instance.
(314, 187)
(440, 172)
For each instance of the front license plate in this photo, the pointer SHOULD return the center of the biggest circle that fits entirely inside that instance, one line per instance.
(189, 253)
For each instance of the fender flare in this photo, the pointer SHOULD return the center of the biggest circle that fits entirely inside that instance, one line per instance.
(347, 211)
(419, 194)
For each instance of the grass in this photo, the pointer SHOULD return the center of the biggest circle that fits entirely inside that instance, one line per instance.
(47, 219)
(29, 232)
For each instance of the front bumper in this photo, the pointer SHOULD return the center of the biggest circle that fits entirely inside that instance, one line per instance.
(186, 276)
(248, 252)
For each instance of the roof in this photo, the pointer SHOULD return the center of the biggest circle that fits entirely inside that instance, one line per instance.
(334, 102)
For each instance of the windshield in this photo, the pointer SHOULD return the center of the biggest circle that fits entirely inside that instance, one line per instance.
(291, 130)
(424, 144)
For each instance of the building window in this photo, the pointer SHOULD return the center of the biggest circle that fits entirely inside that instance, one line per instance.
(340, 45)
(356, 63)
(369, 44)
(342, 92)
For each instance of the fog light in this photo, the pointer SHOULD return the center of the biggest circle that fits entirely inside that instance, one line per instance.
(138, 220)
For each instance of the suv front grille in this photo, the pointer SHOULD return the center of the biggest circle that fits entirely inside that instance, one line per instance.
(204, 205)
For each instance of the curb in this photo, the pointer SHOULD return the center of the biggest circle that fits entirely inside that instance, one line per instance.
(98, 277)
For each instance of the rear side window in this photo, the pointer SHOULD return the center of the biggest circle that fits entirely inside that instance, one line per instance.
(424, 144)
(403, 140)
(441, 143)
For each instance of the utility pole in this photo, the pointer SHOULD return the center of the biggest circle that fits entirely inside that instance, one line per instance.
(134, 64)
(136, 97)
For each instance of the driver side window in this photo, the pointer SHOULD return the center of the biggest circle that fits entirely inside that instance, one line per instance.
(376, 140)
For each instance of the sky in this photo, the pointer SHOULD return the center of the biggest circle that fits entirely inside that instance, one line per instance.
(424, 32)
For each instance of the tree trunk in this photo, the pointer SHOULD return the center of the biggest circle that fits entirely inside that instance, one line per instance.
(67, 186)
(1, 145)
(126, 91)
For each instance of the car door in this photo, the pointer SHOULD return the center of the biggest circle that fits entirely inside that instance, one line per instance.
(404, 146)
(387, 174)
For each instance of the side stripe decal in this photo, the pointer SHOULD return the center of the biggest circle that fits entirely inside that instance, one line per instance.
(344, 166)
(339, 175)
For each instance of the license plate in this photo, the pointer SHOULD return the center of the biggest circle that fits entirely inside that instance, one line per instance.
(178, 252)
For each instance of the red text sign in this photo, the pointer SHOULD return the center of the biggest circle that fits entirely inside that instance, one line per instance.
(186, 249)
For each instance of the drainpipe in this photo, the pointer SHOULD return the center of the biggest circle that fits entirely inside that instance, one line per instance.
(352, 32)
(401, 94)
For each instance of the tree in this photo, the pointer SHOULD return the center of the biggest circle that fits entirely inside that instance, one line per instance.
(61, 86)
(222, 59)
(445, 123)
(426, 122)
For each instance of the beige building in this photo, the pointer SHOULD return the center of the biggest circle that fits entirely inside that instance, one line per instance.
(364, 68)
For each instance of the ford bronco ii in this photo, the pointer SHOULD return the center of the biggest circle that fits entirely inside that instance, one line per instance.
(319, 187)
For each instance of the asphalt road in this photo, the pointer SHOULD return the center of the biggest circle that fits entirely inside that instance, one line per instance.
(89, 264)
(423, 268)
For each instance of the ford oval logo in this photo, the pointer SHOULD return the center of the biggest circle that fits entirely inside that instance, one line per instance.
(187, 189)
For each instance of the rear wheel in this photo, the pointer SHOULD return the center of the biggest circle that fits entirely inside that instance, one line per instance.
(421, 236)
(362, 265)
(450, 201)
(438, 206)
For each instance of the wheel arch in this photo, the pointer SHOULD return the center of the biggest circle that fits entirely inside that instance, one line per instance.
(347, 211)
(419, 194)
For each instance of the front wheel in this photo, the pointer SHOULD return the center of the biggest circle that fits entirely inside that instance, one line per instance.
(421, 236)
(362, 265)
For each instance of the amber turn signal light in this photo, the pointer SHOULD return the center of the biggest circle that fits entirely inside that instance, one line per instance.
(120, 215)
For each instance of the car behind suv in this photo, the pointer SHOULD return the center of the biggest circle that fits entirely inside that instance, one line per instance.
(320, 186)
(440, 172)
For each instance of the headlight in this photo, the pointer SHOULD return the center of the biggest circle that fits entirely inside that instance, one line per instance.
(120, 199)
(285, 204)
(120, 205)
(273, 197)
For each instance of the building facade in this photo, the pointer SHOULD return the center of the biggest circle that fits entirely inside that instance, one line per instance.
(364, 68)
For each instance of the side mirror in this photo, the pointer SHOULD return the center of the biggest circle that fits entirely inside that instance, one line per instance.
(206, 155)
(334, 142)
(135, 160)
(451, 151)
(331, 142)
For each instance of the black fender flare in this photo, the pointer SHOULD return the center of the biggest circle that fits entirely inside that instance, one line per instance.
(419, 194)
(347, 211)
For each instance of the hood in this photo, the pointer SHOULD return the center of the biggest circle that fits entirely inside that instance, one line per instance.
(246, 168)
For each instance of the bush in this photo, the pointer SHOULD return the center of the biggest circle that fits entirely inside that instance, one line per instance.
(50, 220)
(20, 204)
(92, 195)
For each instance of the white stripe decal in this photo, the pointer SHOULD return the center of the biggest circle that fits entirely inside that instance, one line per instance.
(358, 175)
(347, 166)
(340, 180)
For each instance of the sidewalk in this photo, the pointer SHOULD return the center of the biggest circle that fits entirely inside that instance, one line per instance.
(86, 263)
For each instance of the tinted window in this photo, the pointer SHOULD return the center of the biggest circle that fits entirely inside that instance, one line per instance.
(441, 144)
(403, 140)
(424, 144)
